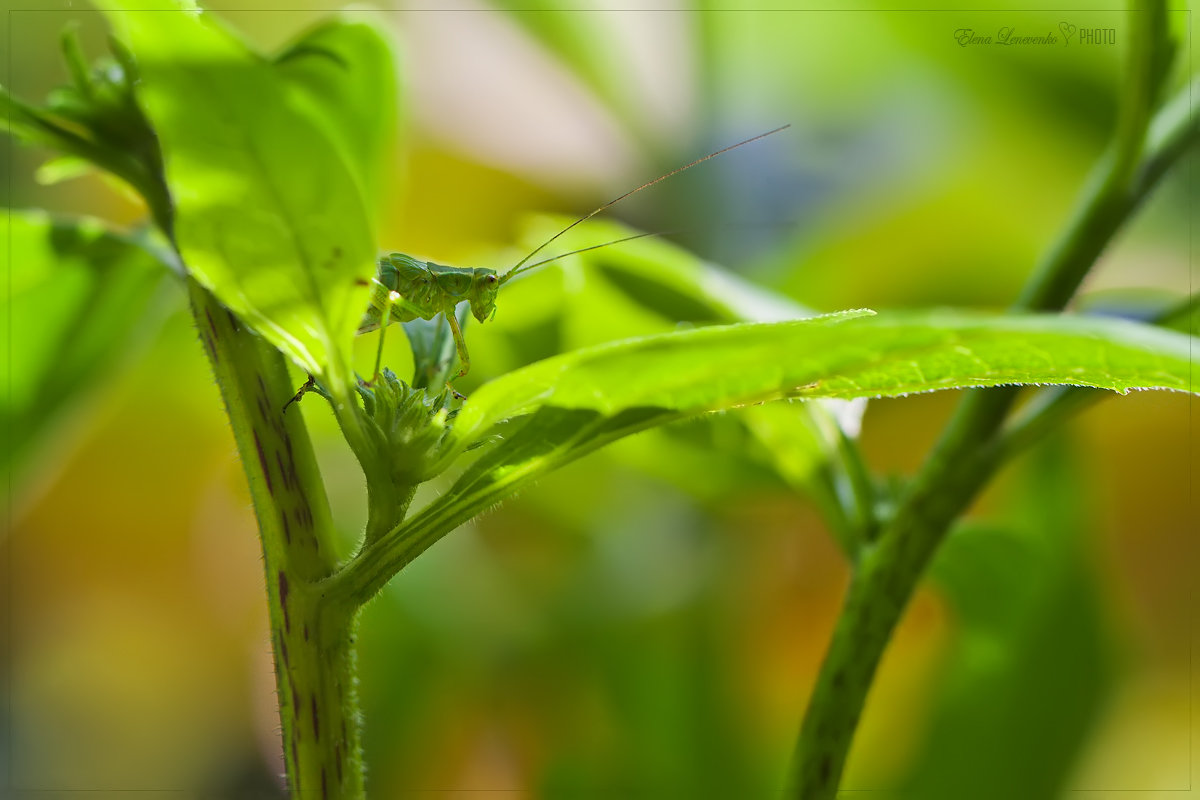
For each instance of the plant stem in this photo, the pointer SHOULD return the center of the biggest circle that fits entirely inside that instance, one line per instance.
(386, 505)
(883, 581)
(311, 639)
(324, 751)
(968, 453)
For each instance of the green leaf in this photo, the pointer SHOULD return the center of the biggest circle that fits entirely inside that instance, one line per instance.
(652, 285)
(96, 121)
(807, 444)
(632, 281)
(842, 355)
(343, 72)
(62, 169)
(433, 348)
(549, 413)
(73, 296)
(270, 215)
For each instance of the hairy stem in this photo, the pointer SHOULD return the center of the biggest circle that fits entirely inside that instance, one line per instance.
(312, 640)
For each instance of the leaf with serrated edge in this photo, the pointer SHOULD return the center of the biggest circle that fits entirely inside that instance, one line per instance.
(852, 354)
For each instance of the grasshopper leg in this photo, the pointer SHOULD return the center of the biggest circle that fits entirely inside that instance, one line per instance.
(459, 342)
(461, 345)
(383, 326)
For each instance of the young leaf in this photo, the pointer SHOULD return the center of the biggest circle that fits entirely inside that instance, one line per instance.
(269, 213)
(95, 121)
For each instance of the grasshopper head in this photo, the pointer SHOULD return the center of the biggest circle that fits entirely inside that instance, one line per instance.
(485, 285)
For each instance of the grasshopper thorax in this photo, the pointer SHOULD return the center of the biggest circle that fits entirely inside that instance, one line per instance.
(477, 285)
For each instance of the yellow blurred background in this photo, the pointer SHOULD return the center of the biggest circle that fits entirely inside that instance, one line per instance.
(642, 623)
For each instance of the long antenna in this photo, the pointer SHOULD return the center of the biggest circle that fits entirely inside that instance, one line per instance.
(598, 246)
(519, 267)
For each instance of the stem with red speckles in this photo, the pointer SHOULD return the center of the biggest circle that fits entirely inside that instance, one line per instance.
(312, 637)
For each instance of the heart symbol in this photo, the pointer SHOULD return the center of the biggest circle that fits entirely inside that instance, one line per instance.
(1068, 30)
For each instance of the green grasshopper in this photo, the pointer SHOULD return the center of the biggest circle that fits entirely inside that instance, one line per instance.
(406, 288)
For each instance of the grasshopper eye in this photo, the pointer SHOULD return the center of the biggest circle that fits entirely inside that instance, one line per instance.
(492, 278)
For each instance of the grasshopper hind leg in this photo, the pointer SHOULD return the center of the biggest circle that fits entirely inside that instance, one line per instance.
(460, 345)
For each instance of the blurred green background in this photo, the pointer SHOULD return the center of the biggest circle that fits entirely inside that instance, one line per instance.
(647, 622)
